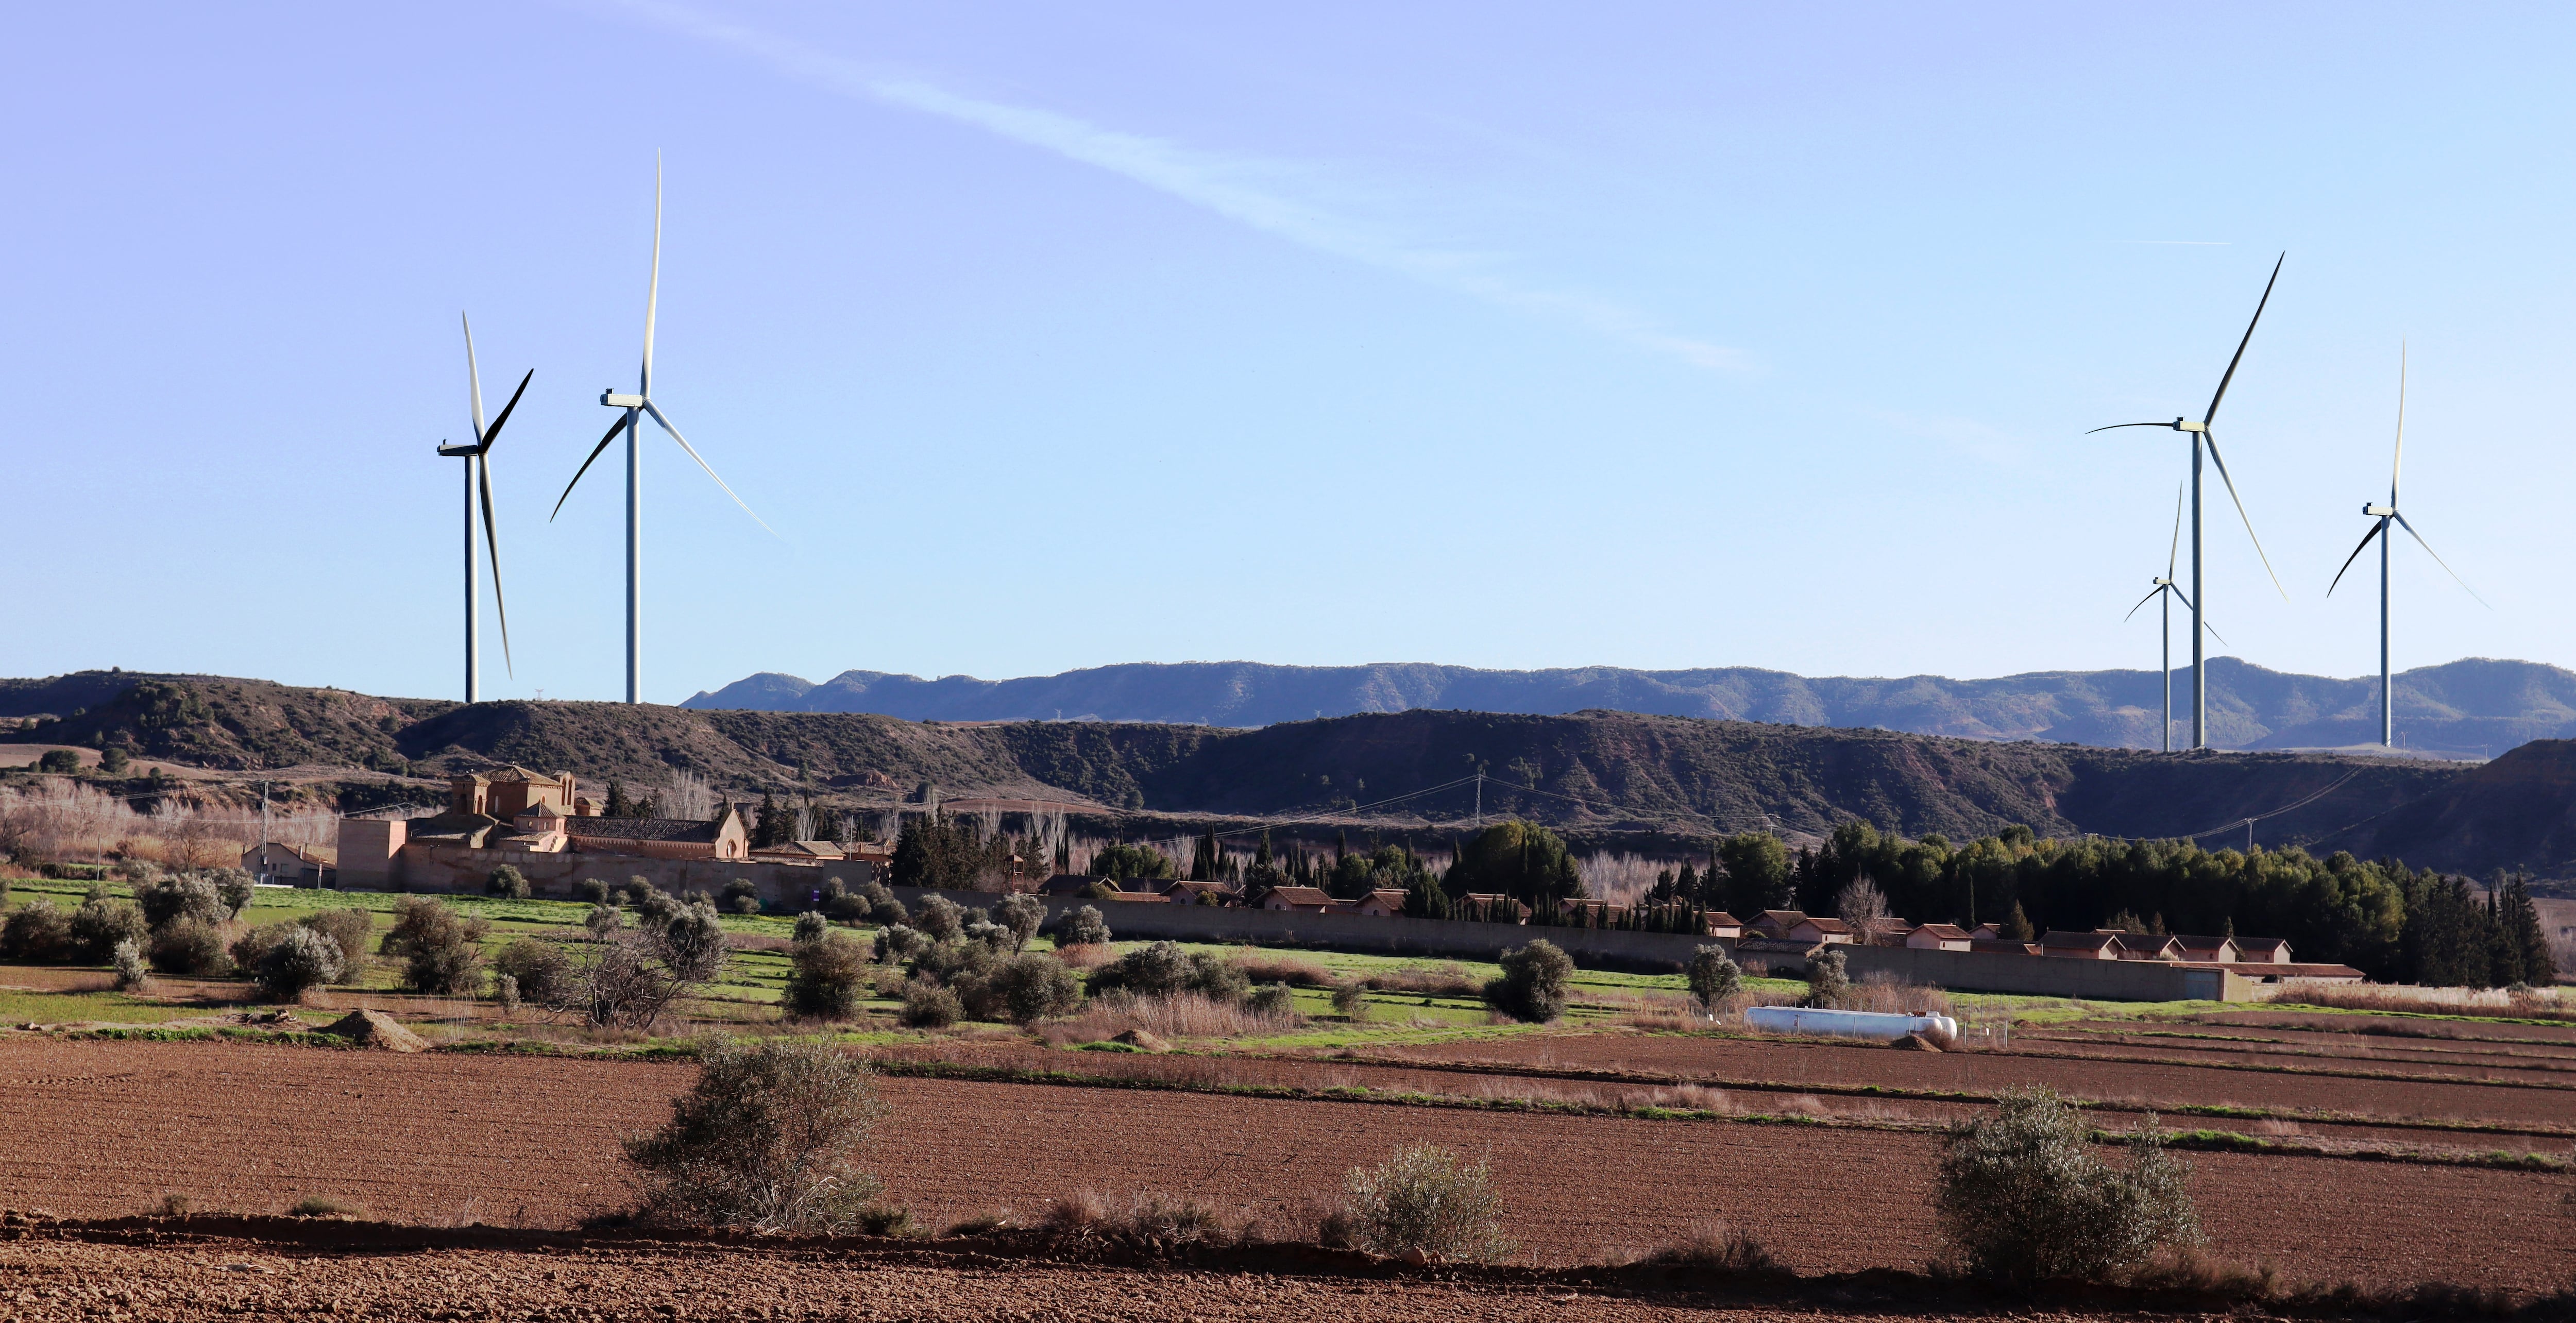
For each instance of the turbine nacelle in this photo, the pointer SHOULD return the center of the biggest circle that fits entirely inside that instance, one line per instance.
(616, 401)
(2379, 511)
(446, 451)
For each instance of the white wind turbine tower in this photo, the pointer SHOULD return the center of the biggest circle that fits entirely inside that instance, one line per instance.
(635, 408)
(478, 479)
(2168, 589)
(2386, 514)
(2204, 437)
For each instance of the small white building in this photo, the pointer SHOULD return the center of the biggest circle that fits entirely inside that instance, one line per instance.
(1938, 937)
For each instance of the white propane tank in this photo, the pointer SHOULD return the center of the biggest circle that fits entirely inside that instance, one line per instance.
(1846, 1024)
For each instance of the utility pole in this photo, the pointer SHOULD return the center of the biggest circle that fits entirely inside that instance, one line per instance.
(264, 864)
(1480, 801)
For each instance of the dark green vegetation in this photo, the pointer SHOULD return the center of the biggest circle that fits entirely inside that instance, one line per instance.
(2476, 708)
(2394, 923)
(2022, 1195)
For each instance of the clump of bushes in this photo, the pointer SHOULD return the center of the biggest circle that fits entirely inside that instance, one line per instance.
(189, 946)
(299, 961)
(810, 927)
(168, 900)
(1425, 1202)
(741, 896)
(940, 918)
(2022, 1196)
(348, 929)
(928, 1005)
(591, 889)
(830, 970)
(1162, 969)
(1082, 926)
(100, 924)
(1533, 982)
(538, 971)
(36, 932)
(1032, 987)
(441, 950)
(507, 882)
(1020, 914)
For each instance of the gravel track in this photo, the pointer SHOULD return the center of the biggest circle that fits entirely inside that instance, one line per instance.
(429, 1138)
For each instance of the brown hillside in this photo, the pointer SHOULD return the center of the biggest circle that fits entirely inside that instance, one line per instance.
(2518, 811)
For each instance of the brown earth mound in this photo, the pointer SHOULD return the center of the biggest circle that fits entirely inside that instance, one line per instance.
(377, 1030)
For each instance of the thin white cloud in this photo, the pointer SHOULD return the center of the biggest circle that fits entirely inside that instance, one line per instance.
(1257, 193)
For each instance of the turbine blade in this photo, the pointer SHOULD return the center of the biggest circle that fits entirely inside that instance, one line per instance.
(2142, 602)
(2397, 466)
(2437, 559)
(492, 539)
(653, 291)
(2375, 530)
(2213, 633)
(2212, 416)
(2240, 513)
(473, 378)
(494, 432)
(2174, 552)
(613, 429)
(702, 463)
(2116, 426)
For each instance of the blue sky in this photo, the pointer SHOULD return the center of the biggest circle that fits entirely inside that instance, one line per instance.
(1052, 336)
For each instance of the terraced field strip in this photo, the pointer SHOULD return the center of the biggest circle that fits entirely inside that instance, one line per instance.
(1741, 1062)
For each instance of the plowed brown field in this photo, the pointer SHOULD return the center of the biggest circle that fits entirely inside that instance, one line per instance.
(1699, 1058)
(230, 1280)
(104, 1128)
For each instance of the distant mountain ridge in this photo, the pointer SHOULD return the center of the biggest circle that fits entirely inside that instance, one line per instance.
(2475, 707)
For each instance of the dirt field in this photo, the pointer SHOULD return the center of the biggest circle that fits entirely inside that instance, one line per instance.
(502, 1139)
(1717, 1060)
(59, 1279)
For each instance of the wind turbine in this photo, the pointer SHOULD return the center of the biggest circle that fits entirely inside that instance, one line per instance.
(633, 409)
(478, 478)
(2168, 589)
(2385, 514)
(2202, 435)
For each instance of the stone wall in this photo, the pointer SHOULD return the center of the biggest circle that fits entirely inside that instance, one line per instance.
(1966, 971)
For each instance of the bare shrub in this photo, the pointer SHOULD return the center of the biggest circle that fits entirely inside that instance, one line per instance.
(1448, 980)
(318, 1206)
(1180, 1015)
(1086, 957)
(1863, 908)
(1893, 995)
(2023, 1197)
(1424, 1201)
(767, 1140)
(1350, 1000)
(1280, 969)
(629, 979)
(1715, 1249)
(1273, 999)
